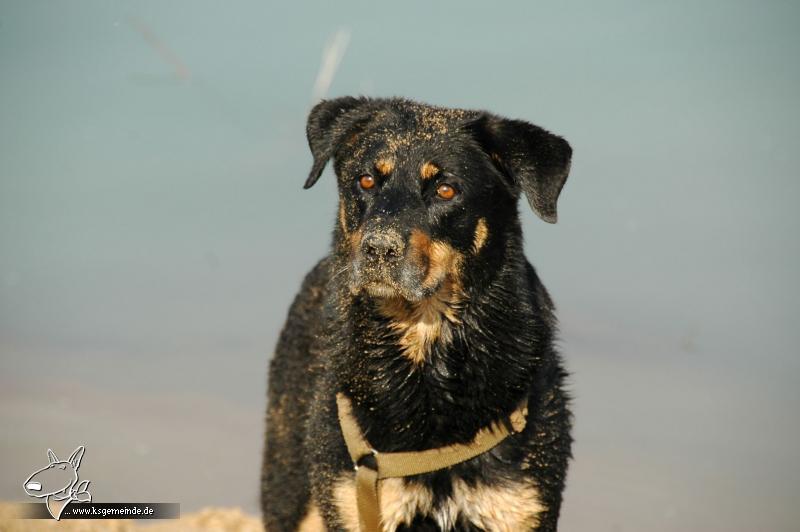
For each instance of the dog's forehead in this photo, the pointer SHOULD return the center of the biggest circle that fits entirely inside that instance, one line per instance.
(420, 117)
(405, 129)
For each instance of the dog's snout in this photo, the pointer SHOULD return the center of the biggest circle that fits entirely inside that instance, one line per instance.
(383, 246)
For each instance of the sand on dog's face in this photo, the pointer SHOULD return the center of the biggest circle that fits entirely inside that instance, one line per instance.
(208, 519)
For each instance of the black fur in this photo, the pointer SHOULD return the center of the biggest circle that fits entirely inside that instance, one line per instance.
(498, 351)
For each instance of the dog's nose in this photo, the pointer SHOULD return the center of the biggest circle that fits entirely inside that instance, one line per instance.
(383, 246)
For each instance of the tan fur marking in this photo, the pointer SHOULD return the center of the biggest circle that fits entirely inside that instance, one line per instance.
(481, 234)
(400, 502)
(443, 260)
(510, 507)
(384, 166)
(419, 245)
(355, 240)
(342, 218)
(344, 497)
(428, 170)
(312, 522)
(420, 324)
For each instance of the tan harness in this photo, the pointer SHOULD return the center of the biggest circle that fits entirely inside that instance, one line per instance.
(405, 464)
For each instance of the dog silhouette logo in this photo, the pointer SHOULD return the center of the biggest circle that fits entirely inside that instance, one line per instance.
(57, 483)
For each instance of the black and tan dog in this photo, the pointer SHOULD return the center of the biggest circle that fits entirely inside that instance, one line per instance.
(424, 328)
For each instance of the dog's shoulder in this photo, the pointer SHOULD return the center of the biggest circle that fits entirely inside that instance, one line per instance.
(307, 302)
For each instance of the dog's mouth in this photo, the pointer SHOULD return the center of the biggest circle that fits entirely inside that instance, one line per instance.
(389, 283)
(410, 280)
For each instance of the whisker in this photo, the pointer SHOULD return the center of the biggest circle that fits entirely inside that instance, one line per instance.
(340, 272)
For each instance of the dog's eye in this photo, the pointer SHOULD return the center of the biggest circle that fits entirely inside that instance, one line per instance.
(366, 182)
(445, 191)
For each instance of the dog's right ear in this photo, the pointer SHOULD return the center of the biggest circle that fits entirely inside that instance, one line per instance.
(328, 124)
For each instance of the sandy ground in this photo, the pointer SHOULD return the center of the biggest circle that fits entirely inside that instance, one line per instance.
(206, 520)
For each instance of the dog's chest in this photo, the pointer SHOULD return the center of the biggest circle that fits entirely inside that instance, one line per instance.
(499, 507)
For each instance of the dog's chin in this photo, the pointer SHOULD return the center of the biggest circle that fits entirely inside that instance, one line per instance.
(404, 283)
(380, 290)
(383, 290)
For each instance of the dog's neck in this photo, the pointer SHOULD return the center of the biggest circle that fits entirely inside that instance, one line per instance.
(430, 374)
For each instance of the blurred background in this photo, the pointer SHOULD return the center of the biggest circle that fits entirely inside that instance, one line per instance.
(153, 231)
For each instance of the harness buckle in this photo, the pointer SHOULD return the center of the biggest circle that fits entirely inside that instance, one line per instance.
(368, 461)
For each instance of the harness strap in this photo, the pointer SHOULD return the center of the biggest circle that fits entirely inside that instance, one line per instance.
(405, 464)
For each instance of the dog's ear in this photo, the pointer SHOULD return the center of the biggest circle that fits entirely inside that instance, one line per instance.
(76, 456)
(328, 124)
(536, 160)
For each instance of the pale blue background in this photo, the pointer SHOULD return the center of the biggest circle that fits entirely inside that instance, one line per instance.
(153, 231)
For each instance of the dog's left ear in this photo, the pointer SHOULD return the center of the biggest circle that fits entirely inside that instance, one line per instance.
(328, 124)
(536, 160)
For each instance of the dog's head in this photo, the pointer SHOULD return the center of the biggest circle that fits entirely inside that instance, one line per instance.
(424, 189)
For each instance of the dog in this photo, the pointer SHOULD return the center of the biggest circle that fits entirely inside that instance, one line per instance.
(415, 384)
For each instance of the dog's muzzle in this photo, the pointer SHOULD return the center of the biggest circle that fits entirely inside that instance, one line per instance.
(382, 267)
